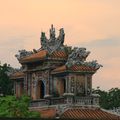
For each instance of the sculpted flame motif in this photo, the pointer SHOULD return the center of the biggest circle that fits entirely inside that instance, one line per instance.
(52, 43)
(78, 56)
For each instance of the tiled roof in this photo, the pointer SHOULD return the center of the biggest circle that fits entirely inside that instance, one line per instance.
(81, 68)
(58, 54)
(42, 55)
(35, 57)
(88, 114)
(74, 68)
(17, 75)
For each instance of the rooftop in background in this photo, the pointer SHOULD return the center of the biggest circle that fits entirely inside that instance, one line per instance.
(89, 114)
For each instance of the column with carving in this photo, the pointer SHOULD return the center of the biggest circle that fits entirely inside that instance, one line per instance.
(51, 84)
(29, 84)
(66, 84)
(47, 83)
(86, 84)
(34, 87)
(25, 83)
(69, 95)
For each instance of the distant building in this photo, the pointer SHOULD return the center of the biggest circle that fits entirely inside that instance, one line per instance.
(58, 79)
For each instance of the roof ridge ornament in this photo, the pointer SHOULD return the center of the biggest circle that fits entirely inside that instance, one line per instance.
(78, 56)
(52, 33)
(53, 43)
(93, 64)
(23, 53)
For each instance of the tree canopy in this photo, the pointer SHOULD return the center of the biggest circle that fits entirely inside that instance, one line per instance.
(6, 85)
(109, 99)
(10, 106)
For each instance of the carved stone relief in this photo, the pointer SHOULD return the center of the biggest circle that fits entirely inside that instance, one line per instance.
(77, 56)
(23, 53)
(72, 84)
(93, 64)
(80, 84)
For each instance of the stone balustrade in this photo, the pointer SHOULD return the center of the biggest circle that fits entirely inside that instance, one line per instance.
(78, 101)
(39, 103)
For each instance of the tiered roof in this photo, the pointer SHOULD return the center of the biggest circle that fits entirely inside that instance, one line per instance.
(43, 55)
(54, 49)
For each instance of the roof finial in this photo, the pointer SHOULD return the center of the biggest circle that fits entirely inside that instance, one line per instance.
(52, 32)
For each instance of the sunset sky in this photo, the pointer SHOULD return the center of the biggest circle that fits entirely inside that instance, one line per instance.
(94, 24)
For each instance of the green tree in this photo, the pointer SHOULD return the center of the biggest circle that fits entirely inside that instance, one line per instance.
(114, 98)
(10, 106)
(6, 84)
(103, 97)
(109, 99)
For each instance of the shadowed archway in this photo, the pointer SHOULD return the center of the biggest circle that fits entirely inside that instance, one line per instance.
(40, 90)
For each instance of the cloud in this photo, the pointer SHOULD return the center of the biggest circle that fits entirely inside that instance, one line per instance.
(109, 42)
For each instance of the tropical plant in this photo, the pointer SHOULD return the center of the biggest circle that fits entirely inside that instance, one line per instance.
(10, 106)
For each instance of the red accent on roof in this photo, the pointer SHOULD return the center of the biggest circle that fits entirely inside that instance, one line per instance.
(75, 68)
(42, 54)
(58, 54)
(82, 68)
(88, 114)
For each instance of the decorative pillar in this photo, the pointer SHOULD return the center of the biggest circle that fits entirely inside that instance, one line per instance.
(91, 86)
(85, 85)
(51, 85)
(47, 84)
(34, 86)
(35, 89)
(68, 95)
(69, 84)
(66, 83)
(29, 81)
(25, 83)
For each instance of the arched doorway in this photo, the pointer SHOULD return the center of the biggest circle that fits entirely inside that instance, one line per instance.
(40, 90)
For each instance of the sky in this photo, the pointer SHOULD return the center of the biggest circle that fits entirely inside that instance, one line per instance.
(94, 24)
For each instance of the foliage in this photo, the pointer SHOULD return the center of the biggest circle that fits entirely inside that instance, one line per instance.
(6, 84)
(10, 106)
(110, 99)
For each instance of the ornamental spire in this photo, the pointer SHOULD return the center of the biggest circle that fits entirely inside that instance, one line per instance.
(53, 43)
